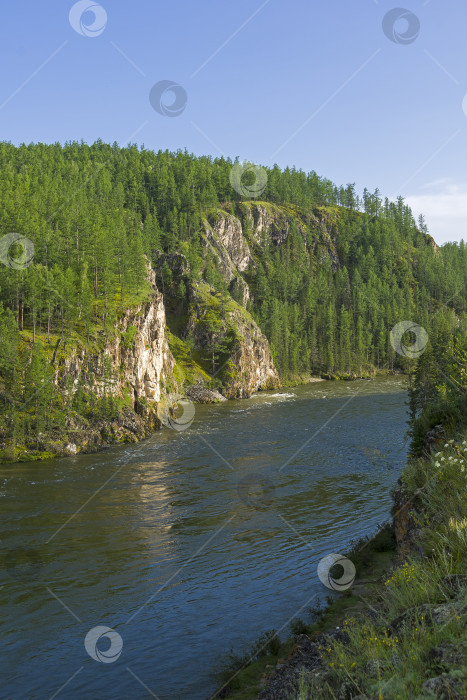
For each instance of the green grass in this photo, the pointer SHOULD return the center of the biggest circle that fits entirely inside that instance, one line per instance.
(240, 674)
(451, 414)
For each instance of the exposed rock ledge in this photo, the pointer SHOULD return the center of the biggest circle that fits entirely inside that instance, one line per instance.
(200, 394)
(139, 361)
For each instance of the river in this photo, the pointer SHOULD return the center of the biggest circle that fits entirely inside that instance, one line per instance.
(170, 543)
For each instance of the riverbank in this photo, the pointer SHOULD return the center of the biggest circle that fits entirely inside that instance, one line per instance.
(276, 670)
(125, 425)
(300, 379)
(400, 631)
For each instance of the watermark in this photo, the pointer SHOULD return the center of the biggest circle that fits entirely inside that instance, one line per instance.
(175, 411)
(109, 655)
(23, 564)
(168, 98)
(401, 26)
(336, 572)
(464, 105)
(16, 251)
(248, 180)
(256, 491)
(83, 24)
(413, 350)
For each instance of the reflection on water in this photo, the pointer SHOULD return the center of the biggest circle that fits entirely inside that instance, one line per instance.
(190, 543)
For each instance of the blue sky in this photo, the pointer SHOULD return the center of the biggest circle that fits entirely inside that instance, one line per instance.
(313, 84)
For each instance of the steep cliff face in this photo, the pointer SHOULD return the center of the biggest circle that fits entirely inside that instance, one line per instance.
(225, 240)
(252, 358)
(266, 220)
(235, 349)
(227, 234)
(135, 362)
(236, 242)
(134, 367)
(145, 361)
(222, 332)
(217, 343)
(269, 222)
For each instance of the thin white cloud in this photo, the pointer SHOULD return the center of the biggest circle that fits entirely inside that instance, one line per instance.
(442, 182)
(444, 205)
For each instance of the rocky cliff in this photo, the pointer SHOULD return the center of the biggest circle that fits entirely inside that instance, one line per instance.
(252, 359)
(217, 340)
(127, 371)
(133, 368)
(236, 241)
(197, 333)
(215, 325)
(245, 362)
(134, 362)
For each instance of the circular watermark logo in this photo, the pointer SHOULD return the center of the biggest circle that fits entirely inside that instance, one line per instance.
(248, 179)
(336, 572)
(23, 564)
(175, 411)
(401, 26)
(414, 349)
(168, 98)
(256, 491)
(16, 251)
(464, 105)
(109, 655)
(88, 18)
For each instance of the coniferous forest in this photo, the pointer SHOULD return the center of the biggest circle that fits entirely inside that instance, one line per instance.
(233, 396)
(326, 293)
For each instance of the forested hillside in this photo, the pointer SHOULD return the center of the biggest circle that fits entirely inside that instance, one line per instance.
(324, 273)
(438, 392)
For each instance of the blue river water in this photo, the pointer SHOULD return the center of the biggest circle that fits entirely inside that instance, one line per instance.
(190, 543)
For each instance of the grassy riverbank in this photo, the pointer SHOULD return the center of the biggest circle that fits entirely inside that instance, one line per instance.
(245, 675)
(402, 626)
(412, 643)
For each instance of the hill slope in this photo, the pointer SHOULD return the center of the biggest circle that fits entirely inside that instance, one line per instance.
(240, 295)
